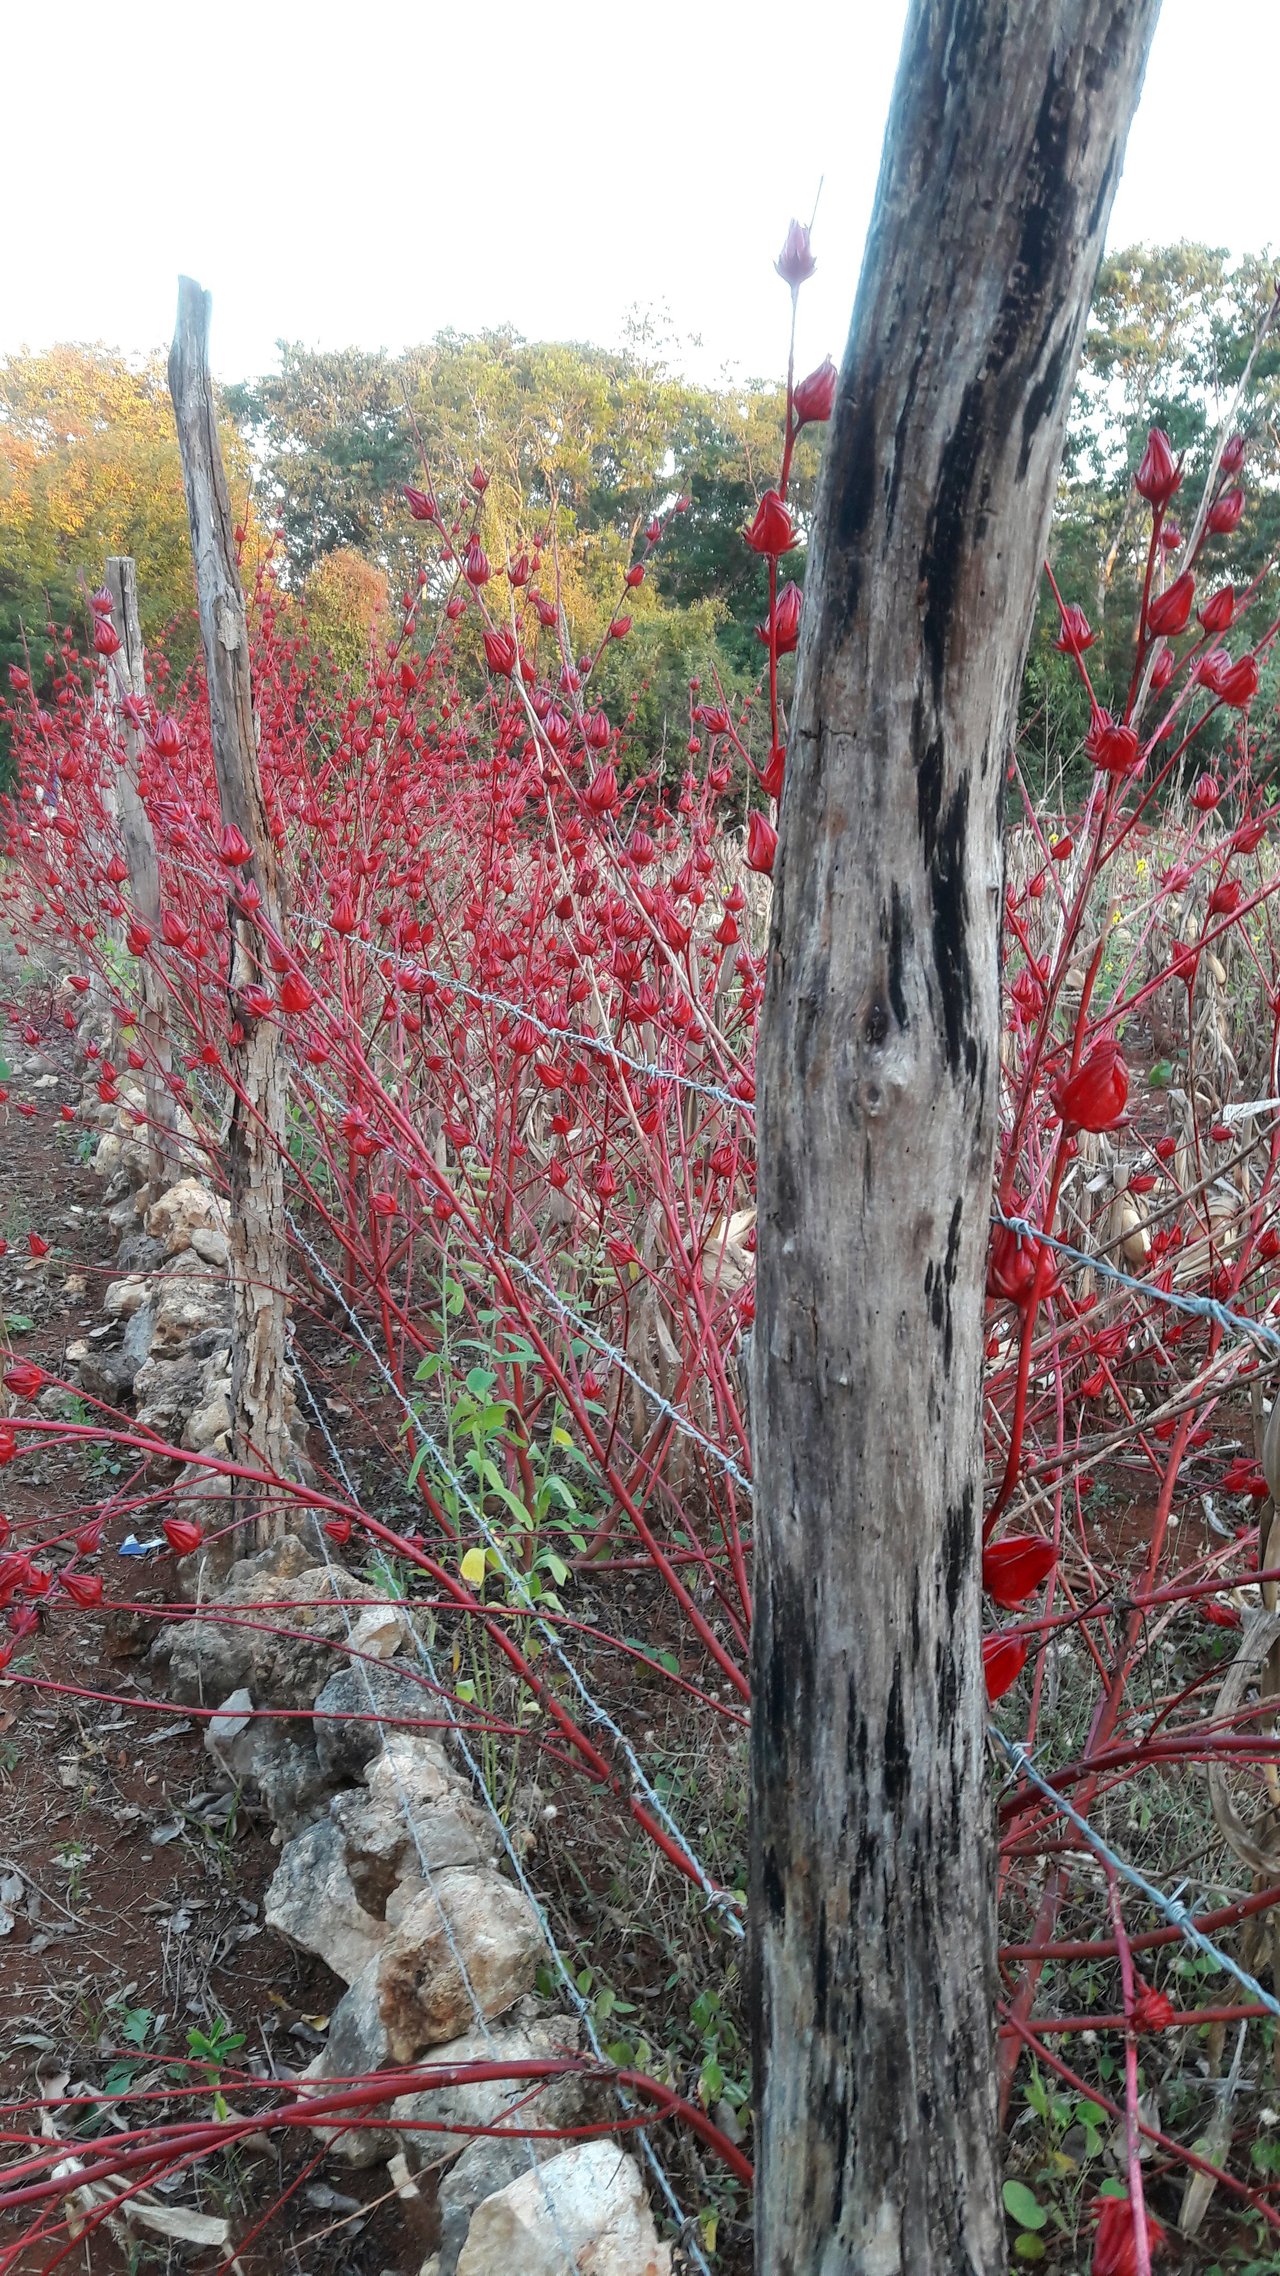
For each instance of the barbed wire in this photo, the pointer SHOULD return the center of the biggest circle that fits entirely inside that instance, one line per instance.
(1175, 1912)
(517, 1582)
(563, 1970)
(1198, 1307)
(506, 1260)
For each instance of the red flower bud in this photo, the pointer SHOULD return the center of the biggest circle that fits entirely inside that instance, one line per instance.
(634, 577)
(1094, 1097)
(296, 994)
(1159, 475)
(479, 480)
(601, 793)
(1162, 670)
(1152, 2010)
(1075, 635)
(19, 680)
(83, 1589)
(475, 563)
(234, 849)
(421, 505)
(1112, 748)
(1115, 2247)
(166, 739)
(774, 774)
(771, 532)
(1206, 794)
(795, 263)
(1062, 848)
(1226, 897)
(762, 843)
(25, 1379)
(1012, 1570)
(339, 1530)
(37, 1246)
(1003, 1660)
(785, 622)
(1249, 836)
(814, 398)
(138, 938)
(106, 640)
(1232, 458)
(183, 1535)
(1218, 610)
(500, 653)
(1170, 611)
(1239, 685)
(1224, 513)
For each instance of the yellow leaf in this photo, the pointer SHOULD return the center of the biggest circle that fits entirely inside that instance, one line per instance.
(473, 1567)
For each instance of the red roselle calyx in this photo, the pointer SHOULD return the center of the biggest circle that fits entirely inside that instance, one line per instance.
(762, 843)
(1225, 512)
(25, 1379)
(183, 1535)
(1219, 610)
(1112, 748)
(1239, 685)
(1076, 634)
(1094, 1098)
(1206, 794)
(815, 396)
(1159, 475)
(771, 532)
(1170, 611)
(784, 625)
(1115, 2247)
(1013, 1569)
(1003, 1660)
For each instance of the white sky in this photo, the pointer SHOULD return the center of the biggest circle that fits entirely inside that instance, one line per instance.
(368, 173)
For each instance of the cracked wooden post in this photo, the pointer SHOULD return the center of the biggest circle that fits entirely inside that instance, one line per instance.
(127, 674)
(256, 1136)
(871, 1846)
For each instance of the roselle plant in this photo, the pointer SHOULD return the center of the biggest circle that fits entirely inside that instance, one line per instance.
(519, 985)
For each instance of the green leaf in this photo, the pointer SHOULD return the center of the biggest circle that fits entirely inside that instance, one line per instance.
(480, 1381)
(465, 1691)
(1022, 2206)
(1028, 2247)
(427, 1367)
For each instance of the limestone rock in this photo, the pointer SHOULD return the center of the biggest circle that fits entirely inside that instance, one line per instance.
(190, 1297)
(210, 1245)
(124, 1297)
(477, 1916)
(182, 1210)
(272, 1760)
(213, 1656)
(166, 1390)
(312, 1901)
(357, 2044)
(346, 1736)
(591, 2199)
(210, 1421)
(412, 1817)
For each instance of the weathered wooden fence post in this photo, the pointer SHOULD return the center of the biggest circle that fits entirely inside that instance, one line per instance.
(870, 1888)
(128, 680)
(256, 1136)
